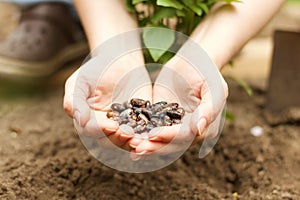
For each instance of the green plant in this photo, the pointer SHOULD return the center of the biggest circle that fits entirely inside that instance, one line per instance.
(180, 15)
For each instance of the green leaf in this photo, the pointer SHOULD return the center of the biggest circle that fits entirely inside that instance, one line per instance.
(180, 13)
(143, 22)
(166, 57)
(193, 7)
(230, 117)
(203, 6)
(137, 1)
(170, 3)
(158, 41)
(163, 13)
(230, 63)
(129, 6)
(247, 88)
(211, 2)
(243, 84)
(229, 1)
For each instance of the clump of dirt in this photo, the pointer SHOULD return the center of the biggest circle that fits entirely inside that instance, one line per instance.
(42, 158)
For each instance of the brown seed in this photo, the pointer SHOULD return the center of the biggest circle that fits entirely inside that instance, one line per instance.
(139, 129)
(134, 116)
(124, 121)
(110, 114)
(181, 111)
(117, 107)
(144, 118)
(148, 104)
(137, 111)
(176, 121)
(126, 113)
(160, 103)
(172, 105)
(141, 122)
(117, 119)
(149, 127)
(147, 113)
(167, 121)
(159, 106)
(132, 123)
(127, 105)
(173, 114)
(140, 103)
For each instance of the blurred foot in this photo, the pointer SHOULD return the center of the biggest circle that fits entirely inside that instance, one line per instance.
(46, 38)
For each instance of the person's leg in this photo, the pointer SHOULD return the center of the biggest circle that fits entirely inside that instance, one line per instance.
(45, 39)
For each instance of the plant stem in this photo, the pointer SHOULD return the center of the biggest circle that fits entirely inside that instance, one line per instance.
(191, 23)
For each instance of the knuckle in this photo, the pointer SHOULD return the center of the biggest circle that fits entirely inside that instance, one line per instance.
(226, 90)
(68, 107)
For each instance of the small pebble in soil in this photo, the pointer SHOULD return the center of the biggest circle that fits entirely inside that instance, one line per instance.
(143, 116)
(256, 131)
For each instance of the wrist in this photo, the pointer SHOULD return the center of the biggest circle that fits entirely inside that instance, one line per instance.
(213, 55)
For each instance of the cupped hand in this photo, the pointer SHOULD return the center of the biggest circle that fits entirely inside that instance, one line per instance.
(202, 99)
(90, 91)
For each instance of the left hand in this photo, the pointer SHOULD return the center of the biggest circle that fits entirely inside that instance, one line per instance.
(180, 82)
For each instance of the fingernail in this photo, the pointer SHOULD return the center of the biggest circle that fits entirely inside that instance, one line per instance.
(126, 136)
(126, 131)
(134, 142)
(136, 158)
(201, 125)
(77, 117)
(153, 138)
(109, 130)
(142, 153)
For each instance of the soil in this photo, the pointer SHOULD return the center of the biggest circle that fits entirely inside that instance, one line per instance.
(42, 158)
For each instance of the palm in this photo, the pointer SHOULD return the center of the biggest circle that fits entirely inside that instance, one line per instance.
(96, 88)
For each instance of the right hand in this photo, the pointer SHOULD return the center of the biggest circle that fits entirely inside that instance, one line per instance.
(90, 91)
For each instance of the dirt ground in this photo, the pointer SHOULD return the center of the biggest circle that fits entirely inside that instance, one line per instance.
(41, 157)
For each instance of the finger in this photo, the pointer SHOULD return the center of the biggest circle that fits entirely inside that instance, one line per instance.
(97, 127)
(125, 132)
(116, 140)
(177, 133)
(120, 137)
(213, 129)
(134, 142)
(126, 147)
(111, 141)
(75, 99)
(210, 107)
(147, 147)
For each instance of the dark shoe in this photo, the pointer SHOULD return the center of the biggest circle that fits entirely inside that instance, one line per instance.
(46, 38)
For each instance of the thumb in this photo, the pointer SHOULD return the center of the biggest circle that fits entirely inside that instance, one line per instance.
(75, 99)
(207, 112)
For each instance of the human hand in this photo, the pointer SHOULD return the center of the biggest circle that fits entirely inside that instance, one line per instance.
(180, 82)
(90, 91)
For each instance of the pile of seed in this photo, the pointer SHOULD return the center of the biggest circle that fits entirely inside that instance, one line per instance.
(143, 116)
